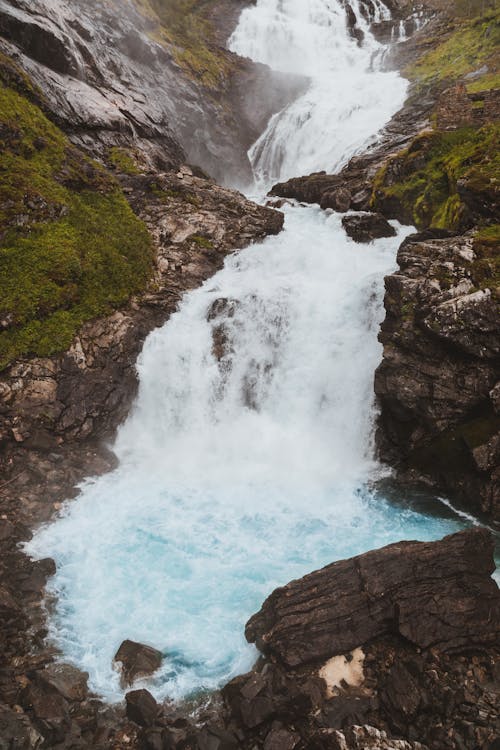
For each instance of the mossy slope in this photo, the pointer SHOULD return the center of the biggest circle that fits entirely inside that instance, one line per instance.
(449, 176)
(186, 26)
(70, 246)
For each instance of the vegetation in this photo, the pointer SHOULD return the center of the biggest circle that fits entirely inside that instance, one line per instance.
(186, 25)
(420, 184)
(122, 161)
(473, 44)
(70, 246)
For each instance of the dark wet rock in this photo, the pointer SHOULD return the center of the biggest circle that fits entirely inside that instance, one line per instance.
(339, 199)
(69, 681)
(281, 739)
(141, 707)
(436, 384)
(367, 227)
(137, 660)
(16, 731)
(49, 710)
(433, 594)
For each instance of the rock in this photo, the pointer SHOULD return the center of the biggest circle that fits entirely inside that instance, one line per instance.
(137, 660)
(16, 731)
(281, 739)
(69, 681)
(436, 383)
(436, 594)
(367, 227)
(141, 707)
(360, 738)
(339, 199)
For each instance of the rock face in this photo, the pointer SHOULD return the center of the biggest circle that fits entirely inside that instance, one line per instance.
(435, 595)
(367, 227)
(438, 381)
(111, 79)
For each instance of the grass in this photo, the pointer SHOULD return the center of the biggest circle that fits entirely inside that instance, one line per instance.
(420, 185)
(70, 246)
(473, 44)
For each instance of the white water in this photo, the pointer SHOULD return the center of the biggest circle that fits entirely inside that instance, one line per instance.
(349, 98)
(237, 475)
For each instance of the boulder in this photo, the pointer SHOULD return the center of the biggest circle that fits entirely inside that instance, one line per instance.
(339, 199)
(137, 660)
(367, 227)
(141, 707)
(69, 681)
(434, 594)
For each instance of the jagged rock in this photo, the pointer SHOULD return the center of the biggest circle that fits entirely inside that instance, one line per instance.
(141, 707)
(16, 731)
(437, 594)
(367, 227)
(360, 738)
(281, 739)
(137, 660)
(69, 681)
(339, 199)
(437, 380)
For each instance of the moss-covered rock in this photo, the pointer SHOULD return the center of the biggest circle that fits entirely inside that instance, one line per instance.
(445, 179)
(471, 45)
(70, 246)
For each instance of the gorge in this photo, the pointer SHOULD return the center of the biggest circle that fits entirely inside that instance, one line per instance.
(248, 457)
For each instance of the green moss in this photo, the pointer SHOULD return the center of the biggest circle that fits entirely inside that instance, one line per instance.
(70, 246)
(486, 267)
(186, 25)
(202, 241)
(472, 44)
(486, 82)
(420, 183)
(122, 161)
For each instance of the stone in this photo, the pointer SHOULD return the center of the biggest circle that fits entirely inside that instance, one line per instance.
(433, 594)
(436, 383)
(69, 681)
(338, 199)
(281, 739)
(137, 660)
(141, 707)
(367, 227)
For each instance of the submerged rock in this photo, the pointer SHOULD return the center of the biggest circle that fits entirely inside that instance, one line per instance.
(367, 227)
(137, 660)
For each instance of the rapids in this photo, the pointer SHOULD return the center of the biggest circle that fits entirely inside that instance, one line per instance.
(241, 472)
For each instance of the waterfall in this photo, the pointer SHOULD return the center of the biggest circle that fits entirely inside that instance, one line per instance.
(247, 459)
(349, 97)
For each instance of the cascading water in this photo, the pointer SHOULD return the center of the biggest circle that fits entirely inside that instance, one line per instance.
(349, 98)
(247, 457)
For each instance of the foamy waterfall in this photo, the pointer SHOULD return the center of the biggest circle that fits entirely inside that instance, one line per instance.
(248, 466)
(348, 100)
